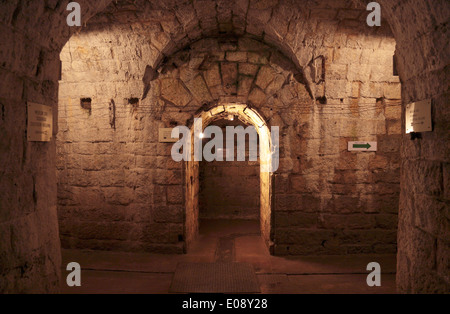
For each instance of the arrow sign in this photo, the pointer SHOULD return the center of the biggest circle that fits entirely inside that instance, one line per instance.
(362, 146)
(366, 146)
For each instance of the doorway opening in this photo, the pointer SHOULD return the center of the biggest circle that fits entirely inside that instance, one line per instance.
(216, 195)
(229, 194)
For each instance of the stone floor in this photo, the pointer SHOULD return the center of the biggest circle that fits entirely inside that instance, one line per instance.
(227, 241)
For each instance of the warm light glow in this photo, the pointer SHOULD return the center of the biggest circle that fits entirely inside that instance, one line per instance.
(217, 110)
(201, 135)
(254, 117)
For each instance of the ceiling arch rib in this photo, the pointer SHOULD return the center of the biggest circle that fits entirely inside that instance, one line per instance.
(297, 31)
(300, 18)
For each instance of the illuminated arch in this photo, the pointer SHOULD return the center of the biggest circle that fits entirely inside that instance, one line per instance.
(252, 117)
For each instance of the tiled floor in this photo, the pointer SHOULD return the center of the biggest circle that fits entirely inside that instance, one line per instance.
(120, 272)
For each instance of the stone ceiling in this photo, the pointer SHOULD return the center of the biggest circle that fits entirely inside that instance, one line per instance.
(297, 28)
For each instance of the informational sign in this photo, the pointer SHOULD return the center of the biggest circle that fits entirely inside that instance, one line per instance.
(362, 146)
(40, 123)
(165, 136)
(418, 116)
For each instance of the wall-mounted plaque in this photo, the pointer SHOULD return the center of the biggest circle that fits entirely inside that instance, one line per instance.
(165, 136)
(418, 116)
(40, 123)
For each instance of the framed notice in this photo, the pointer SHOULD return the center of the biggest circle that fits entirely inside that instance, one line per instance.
(165, 136)
(40, 123)
(418, 116)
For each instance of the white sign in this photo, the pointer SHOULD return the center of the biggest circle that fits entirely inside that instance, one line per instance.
(418, 116)
(165, 136)
(362, 146)
(40, 123)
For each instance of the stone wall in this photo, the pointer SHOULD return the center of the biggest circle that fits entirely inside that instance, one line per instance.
(423, 57)
(119, 189)
(230, 190)
(31, 38)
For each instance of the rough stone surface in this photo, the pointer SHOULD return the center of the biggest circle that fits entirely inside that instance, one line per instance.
(33, 32)
(230, 189)
(344, 189)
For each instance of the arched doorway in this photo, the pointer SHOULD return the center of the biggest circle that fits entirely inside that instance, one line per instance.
(267, 161)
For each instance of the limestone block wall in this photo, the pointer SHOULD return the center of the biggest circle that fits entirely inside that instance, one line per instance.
(423, 55)
(231, 189)
(119, 189)
(30, 42)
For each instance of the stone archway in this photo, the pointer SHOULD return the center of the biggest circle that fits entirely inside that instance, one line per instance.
(267, 164)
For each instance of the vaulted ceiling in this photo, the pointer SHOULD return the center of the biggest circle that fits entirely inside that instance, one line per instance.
(297, 28)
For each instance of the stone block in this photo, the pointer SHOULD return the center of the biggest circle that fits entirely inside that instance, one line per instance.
(297, 219)
(167, 177)
(266, 75)
(173, 91)
(162, 233)
(394, 127)
(389, 143)
(276, 85)
(393, 111)
(305, 183)
(248, 69)
(260, 58)
(175, 194)
(386, 221)
(168, 214)
(236, 56)
(337, 89)
(297, 202)
(118, 196)
(388, 204)
(199, 89)
(336, 72)
(245, 83)
(354, 221)
(257, 97)
(229, 77)
(392, 90)
(212, 75)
